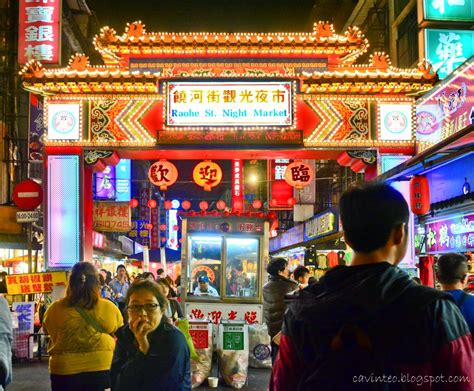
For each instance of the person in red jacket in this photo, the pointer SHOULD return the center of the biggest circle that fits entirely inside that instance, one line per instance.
(368, 326)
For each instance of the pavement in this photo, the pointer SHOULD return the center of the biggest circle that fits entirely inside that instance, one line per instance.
(34, 376)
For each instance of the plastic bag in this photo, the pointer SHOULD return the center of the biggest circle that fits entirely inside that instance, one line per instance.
(260, 351)
(201, 333)
(183, 325)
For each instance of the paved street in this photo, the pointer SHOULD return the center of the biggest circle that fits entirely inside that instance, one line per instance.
(35, 377)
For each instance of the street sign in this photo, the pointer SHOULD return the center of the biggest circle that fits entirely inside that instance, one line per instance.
(28, 195)
(29, 216)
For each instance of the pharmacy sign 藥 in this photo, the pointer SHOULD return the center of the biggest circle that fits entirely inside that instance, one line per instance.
(448, 10)
(448, 49)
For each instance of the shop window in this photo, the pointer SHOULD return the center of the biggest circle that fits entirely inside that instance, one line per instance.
(241, 275)
(407, 43)
(204, 269)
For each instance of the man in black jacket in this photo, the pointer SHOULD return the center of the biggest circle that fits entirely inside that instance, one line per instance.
(368, 326)
(274, 292)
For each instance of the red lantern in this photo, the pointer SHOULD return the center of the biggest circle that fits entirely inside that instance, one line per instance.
(273, 202)
(272, 215)
(163, 174)
(186, 205)
(175, 227)
(152, 204)
(203, 205)
(299, 174)
(419, 195)
(257, 204)
(358, 166)
(260, 215)
(203, 213)
(207, 174)
(163, 240)
(237, 205)
(133, 203)
(149, 226)
(163, 227)
(172, 240)
(291, 201)
(344, 159)
(167, 204)
(220, 205)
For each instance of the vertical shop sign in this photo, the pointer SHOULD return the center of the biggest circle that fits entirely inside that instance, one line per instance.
(237, 185)
(25, 313)
(36, 129)
(39, 32)
(155, 230)
(122, 180)
(105, 184)
(143, 209)
(279, 191)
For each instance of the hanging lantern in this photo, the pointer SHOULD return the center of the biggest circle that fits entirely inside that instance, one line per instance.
(163, 174)
(163, 240)
(419, 195)
(220, 205)
(257, 204)
(175, 227)
(149, 226)
(133, 203)
(186, 205)
(272, 215)
(291, 201)
(237, 205)
(203, 205)
(345, 160)
(358, 166)
(299, 174)
(207, 174)
(163, 227)
(273, 202)
(167, 204)
(151, 204)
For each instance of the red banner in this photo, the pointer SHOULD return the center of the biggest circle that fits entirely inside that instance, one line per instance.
(279, 191)
(39, 33)
(155, 231)
(237, 185)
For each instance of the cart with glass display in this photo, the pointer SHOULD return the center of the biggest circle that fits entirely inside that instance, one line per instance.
(223, 262)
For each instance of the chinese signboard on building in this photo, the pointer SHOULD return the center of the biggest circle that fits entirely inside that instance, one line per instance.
(239, 225)
(447, 49)
(448, 10)
(21, 284)
(111, 217)
(446, 110)
(230, 104)
(39, 33)
(250, 313)
(24, 312)
(450, 234)
(237, 184)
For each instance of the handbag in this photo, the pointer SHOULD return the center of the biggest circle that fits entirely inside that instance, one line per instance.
(92, 321)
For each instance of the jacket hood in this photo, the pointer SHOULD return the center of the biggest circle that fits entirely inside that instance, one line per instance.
(281, 278)
(354, 293)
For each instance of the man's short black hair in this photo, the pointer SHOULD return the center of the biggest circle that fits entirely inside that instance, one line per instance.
(300, 271)
(276, 265)
(121, 267)
(369, 213)
(452, 268)
(160, 271)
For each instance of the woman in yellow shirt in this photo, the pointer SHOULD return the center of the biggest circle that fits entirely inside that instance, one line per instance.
(80, 327)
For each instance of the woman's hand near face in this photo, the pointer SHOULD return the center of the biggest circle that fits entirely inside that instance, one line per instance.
(140, 329)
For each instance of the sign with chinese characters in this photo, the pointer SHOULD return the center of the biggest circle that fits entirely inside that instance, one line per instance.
(36, 129)
(171, 231)
(39, 32)
(105, 184)
(446, 109)
(140, 232)
(299, 174)
(207, 174)
(201, 334)
(237, 184)
(448, 49)
(25, 313)
(163, 174)
(213, 225)
(233, 336)
(215, 312)
(322, 224)
(454, 233)
(279, 191)
(22, 284)
(64, 121)
(111, 217)
(230, 104)
(448, 10)
(395, 122)
(123, 187)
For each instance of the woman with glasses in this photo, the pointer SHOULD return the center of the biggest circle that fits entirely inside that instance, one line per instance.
(80, 327)
(151, 354)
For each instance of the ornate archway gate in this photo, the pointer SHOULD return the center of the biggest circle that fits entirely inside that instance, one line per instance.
(219, 96)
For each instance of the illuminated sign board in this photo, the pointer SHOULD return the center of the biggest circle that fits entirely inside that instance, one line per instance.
(454, 233)
(105, 184)
(63, 229)
(448, 49)
(112, 217)
(230, 104)
(448, 10)
(122, 180)
(447, 109)
(395, 122)
(64, 121)
(39, 33)
(237, 184)
(323, 224)
(172, 234)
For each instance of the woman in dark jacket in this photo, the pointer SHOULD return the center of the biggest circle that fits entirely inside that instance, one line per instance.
(274, 292)
(151, 354)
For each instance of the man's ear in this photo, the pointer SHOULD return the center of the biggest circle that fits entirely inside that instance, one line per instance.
(398, 234)
(464, 279)
(346, 241)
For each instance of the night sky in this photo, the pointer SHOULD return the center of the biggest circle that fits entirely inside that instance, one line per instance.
(206, 15)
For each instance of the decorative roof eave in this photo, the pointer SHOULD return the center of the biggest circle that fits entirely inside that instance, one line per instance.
(403, 88)
(323, 40)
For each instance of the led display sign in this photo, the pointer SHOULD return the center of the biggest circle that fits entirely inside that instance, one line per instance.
(450, 234)
(230, 104)
(448, 10)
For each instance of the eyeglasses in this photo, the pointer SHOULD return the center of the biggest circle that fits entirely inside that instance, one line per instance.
(148, 307)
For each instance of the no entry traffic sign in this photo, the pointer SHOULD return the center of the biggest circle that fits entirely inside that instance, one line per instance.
(28, 195)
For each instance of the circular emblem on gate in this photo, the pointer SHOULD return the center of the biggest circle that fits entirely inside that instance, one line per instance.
(396, 122)
(261, 352)
(426, 123)
(63, 122)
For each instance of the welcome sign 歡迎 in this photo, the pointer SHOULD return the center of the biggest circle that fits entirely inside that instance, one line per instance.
(448, 10)
(230, 104)
(447, 109)
(448, 49)
(454, 233)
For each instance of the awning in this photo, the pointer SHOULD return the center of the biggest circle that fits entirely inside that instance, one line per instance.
(452, 148)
